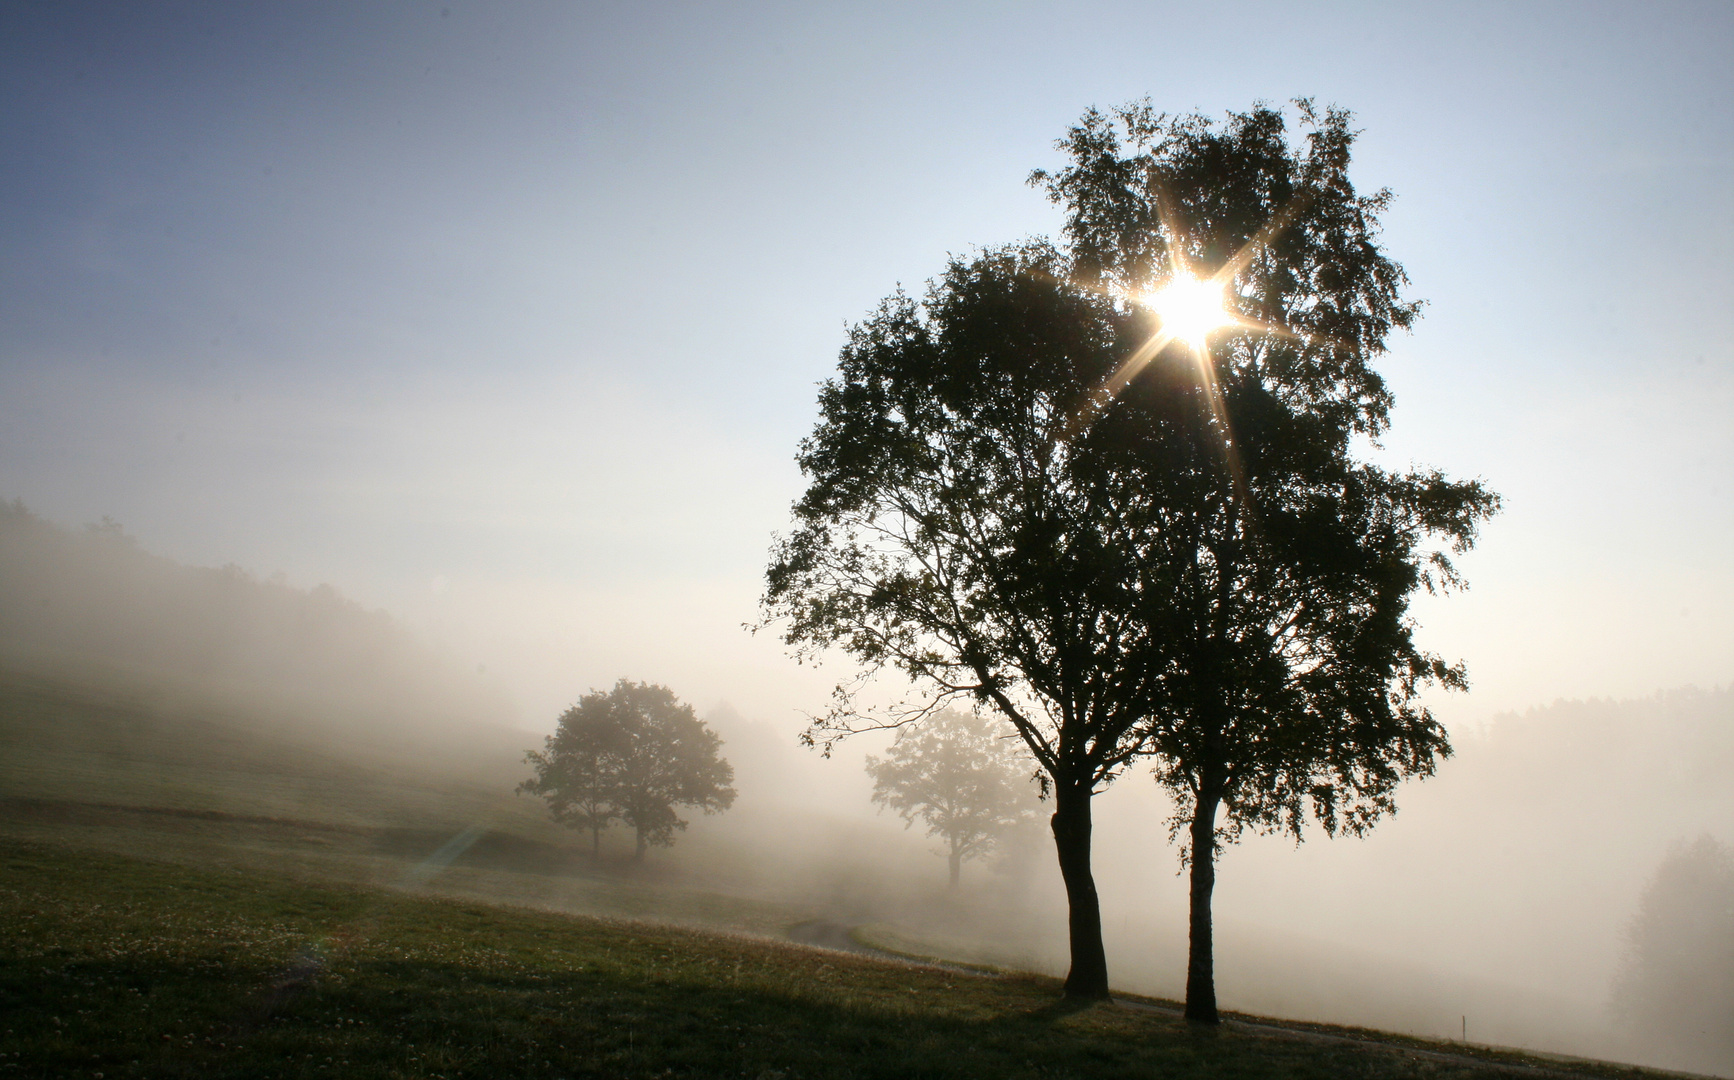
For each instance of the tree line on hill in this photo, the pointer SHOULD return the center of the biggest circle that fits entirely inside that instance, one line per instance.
(92, 604)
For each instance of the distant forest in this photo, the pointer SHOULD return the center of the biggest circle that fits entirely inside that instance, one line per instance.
(91, 606)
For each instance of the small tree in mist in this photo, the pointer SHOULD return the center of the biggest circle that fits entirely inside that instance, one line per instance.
(671, 759)
(962, 777)
(1027, 489)
(578, 769)
(1675, 993)
(632, 754)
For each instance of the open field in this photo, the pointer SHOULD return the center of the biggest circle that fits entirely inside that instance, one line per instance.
(118, 772)
(114, 967)
(188, 894)
(112, 773)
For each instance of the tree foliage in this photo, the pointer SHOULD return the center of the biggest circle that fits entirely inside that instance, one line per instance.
(1290, 676)
(631, 754)
(578, 769)
(957, 773)
(1024, 493)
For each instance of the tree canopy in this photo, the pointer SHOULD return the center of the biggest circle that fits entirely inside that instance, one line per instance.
(1026, 490)
(1291, 672)
(631, 754)
(578, 769)
(957, 773)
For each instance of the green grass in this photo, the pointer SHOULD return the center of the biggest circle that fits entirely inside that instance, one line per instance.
(188, 894)
(100, 769)
(128, 967)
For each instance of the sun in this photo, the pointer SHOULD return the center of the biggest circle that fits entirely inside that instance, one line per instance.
(1190, 309)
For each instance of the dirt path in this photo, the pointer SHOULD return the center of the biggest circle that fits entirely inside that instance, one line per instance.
(825, 934)
(834, 935)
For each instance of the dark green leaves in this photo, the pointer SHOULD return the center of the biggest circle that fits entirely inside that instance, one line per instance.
(1202, 572)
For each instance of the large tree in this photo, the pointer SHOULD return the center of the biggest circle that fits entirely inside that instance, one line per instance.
(1290, 671)
(1135, 526)
(957, 773)
(633, 754)
(1039, 487)
(949, 534)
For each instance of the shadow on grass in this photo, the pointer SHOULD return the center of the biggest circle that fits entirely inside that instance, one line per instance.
(127, 968)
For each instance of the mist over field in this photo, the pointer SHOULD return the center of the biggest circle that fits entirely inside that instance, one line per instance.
(378, 381)
(1499, 903)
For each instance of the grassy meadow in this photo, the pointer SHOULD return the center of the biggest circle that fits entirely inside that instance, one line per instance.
(185, 894)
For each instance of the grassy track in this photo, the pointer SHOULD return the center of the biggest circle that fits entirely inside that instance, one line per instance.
(124, 967)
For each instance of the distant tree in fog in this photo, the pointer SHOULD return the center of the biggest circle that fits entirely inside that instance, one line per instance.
(1138, 532)
(962, 777)
(671, 759)
(578, 769)
(1675, 994)
(632, 754)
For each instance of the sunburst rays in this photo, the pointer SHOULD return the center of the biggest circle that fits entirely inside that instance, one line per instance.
(1189, 309)
(1184, 309)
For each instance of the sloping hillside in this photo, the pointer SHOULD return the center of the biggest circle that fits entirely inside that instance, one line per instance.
(92, 607)
(118, 967)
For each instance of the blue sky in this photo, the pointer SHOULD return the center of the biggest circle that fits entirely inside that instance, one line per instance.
(507, 318)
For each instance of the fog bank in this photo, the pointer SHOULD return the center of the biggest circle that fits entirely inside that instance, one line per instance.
(91, 606)
(1503, 899)
(1499, 899)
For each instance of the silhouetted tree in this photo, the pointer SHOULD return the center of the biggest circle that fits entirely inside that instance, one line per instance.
(961, 777)
(1675, 993)
(1025, 490)
(632, 754)
(1288, 669)
(579, 768)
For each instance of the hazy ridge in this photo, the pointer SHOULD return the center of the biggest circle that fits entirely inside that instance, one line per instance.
(91, 607)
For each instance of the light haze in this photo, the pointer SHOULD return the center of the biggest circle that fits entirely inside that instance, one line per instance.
(508, 319)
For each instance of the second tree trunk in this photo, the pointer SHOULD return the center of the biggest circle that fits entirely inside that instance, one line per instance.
(1201, 959)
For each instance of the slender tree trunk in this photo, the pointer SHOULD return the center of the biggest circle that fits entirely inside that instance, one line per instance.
(638, 856)
(1201, 958)
(595, 843)
(1088, 978)
(956, 865)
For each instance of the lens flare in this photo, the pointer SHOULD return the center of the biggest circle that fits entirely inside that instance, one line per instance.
(1190, 309)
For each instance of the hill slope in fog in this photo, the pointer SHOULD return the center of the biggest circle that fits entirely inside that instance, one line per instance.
(91, 607)
(137, 694)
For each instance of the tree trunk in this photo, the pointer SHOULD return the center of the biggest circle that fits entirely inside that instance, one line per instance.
(1088, 978)
(1201, 958)
(595, 843)
(956, 865)
(638, 856)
